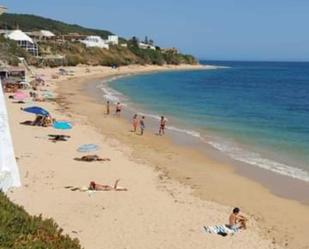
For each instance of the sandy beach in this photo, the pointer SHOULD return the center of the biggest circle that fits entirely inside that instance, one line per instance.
(172, 191)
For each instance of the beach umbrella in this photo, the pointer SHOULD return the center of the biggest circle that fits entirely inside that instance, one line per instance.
(62, 125)
(20, 96)
(88, 148)
(36, 110)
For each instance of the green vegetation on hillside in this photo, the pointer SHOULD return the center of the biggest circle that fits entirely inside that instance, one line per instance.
(10, 51)
(31, 22)
(77, 53)
(19, 230)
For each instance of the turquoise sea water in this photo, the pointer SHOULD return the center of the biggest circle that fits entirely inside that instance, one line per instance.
(255, 112)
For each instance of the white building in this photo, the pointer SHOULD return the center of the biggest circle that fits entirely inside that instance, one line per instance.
(2, 9)
(42, 34)
(23, 40)
(95, 41)
(9, 173)
(143, 45)
(113, 40)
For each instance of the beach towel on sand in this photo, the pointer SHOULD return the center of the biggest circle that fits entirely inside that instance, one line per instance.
(222, 230)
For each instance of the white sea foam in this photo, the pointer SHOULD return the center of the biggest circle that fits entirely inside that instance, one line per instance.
(215, 67)
(112, 95)
(257, 160)
(188, 132)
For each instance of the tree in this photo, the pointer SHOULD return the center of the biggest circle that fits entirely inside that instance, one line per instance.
(135, 41)
(146, 39)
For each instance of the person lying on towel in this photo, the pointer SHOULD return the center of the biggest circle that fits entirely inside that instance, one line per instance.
(91, 158)
(93, 186)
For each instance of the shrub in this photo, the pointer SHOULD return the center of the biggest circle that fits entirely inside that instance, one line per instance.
(19, 230)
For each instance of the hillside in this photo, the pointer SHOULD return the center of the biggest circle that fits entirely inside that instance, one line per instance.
(31, 22)
(75, 52)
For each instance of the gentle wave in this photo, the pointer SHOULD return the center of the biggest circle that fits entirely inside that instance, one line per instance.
(188, 132)
(255, 159)
(112, 95)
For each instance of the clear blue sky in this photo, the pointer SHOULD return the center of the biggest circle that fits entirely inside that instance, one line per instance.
(212, 29)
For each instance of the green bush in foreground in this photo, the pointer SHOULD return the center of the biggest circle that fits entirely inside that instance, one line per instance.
(21, 231)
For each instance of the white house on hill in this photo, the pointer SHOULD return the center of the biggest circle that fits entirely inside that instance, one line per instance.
(23, 40)
(95, 41)
(2, 9)
(143, 45)
(113, 40)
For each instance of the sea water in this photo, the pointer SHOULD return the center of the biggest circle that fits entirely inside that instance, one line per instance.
(254, 112)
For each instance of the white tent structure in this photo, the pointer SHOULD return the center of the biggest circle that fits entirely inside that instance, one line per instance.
(47, 33)
(9, 174)
(23, 40)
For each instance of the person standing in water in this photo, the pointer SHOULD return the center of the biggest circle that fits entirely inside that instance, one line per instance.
(162, 125)
(107, 108)
(134, 123)
(118, 109)
(142, 125)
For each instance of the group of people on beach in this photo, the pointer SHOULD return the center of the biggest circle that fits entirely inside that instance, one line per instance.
(136, 121)
(118, 108)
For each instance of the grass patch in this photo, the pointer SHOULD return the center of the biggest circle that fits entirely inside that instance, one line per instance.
(19, 230)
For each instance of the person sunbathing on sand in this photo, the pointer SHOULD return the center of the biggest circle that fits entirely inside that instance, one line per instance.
(99, 187)
(91, 158)
(237, 221)
(56, 138)
(102, 187)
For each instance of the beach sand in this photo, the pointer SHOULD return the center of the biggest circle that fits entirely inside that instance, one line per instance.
(172, 191)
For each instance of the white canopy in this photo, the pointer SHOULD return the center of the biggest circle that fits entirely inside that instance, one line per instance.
(18, 35)
(47, 33)
(9, 174)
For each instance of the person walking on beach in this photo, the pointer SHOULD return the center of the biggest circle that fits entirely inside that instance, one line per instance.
(237, 221)
(134, 123)
(142, 125)
(162, 125)
(107, 108)
(118, 109)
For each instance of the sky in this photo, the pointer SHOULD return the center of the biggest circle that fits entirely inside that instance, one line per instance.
(209, 29)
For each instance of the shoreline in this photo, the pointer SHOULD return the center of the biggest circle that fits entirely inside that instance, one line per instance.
(297, 188)
(87, 111)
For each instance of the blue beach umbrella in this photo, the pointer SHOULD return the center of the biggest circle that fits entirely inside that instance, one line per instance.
(88, 148)
(36, 110)
(62, 125)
